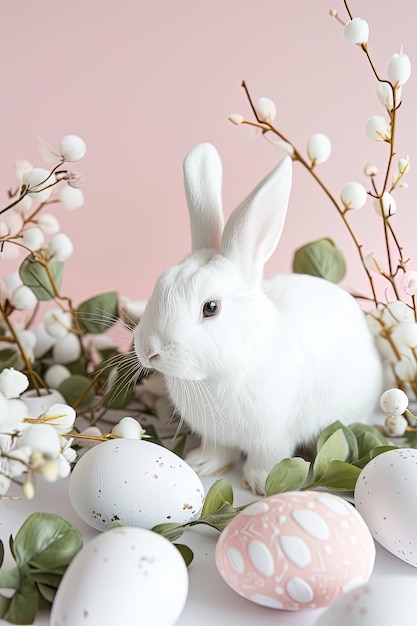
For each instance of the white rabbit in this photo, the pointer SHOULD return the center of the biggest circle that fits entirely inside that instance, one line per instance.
(254, 366)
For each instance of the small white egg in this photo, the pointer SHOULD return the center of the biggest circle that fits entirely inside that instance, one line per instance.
(127, 576)
(385, 496)
(136, 483)
(384, 600)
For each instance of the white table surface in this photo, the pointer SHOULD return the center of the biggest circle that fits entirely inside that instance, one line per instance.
(210, 601)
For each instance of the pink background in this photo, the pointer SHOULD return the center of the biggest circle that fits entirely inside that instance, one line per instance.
(143, 82)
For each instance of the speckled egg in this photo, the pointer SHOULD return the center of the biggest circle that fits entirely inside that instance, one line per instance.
(296, 550)
(127, 576)
(386, 497)
(136, 483)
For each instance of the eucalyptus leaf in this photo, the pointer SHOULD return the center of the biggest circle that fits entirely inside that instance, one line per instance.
(376, 451)
(349, 435)
(120, 391)
(171, 531)
(218, 520)
(338, 475)
(73, 387)
(98, 314)
(9, 578)
(219, 493)
(320, 258)
(46, 541)
(287, 475)
(336, 447)
(10, 358)
(35, 276)
(23, 604)
(186, 553)
(367, 441)
(47, 592)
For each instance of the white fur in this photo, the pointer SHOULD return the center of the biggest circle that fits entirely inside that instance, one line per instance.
(284, 358)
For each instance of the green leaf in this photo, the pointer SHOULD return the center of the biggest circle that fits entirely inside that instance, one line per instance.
(73, 387)
(186, 553)
(35, 276)
(120, 391)
(287, 475)
(1, 553)
(364, 460)
(220, 492)
(171, 531)
(349, 435)
(98, 314)
(338, 475)
(336, 447)
(47, 592)
(179, 449)
(10, 358)
(23, 605)
(46, 541)
(218, 520)
(320, 258)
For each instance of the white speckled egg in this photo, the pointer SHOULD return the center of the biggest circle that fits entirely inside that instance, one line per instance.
(296, 550)
(136, 483)
(386, 497)
(384, 600)
(127, 576)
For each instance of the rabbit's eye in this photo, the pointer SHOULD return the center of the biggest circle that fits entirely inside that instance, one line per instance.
(211, 308)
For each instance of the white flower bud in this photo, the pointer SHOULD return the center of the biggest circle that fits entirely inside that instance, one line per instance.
(12, 383)
(71, 197)
(397, 311)
(9, 252)
(22, 167)
(394, 402)
(67, 349)
(23, 298)
(33, 238)
(409, 283)
(24, 206)
(49, 470)
(354, 195)
(319, 148)
(57, 323)
(12, 280)
(61, 417)
(404, 335)
(128, 428)
(395, 425)
(372, 262)
(13, 221)
(404, 165)
(356, 31)
(27, 340)
(385, 95)
(378, 128)
(236, 118)
(28, 490)
(44, 341)
(386, 205)
(41, 438)
(39, 181)
(283, 147)
(399, 68)
(72, 148)
(406, 370)
(48, 224)
(60, 247)
(265, 110)
(55, 374)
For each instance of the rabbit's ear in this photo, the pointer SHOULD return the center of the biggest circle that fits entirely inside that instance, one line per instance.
(253, 230)
(203, 188)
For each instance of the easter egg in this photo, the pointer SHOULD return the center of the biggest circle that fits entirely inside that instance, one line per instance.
(385, 496)
(383, 600)
(136, 483)
(296, 550)
(129, 576)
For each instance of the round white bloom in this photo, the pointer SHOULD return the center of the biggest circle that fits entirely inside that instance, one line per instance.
(18, 460)
(22, 167)
(27, 340)
(24, 206)
(354, 195)
(372, 262)
(370, 169)
(394, 402)
(57, 323)
(356, 31)
(48, 224)
(389, 206)
(67, 349)
(12, 383)
(385, 95)
(406, 370)
(72, 148)
(236, 118)
(378, 128)
(41, 438)
(9, 252)
(128, 428)
(12, 280)
(33, 238)
(71, 197)
(399, 68)
(55, 374)
(60, 247)
(61, 417)
(13, 222)
(23, 298)
(39, 181)
(319, 148)
(403, 165)
(44, 341)
(409, 283)
(397, 311)
(404, 335)
(266, 110)
(18, 412)
(395, 425)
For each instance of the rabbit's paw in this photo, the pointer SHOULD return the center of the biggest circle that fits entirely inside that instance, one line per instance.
(208, 459)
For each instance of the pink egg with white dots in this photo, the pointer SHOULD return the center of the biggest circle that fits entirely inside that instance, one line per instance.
(296, 550)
